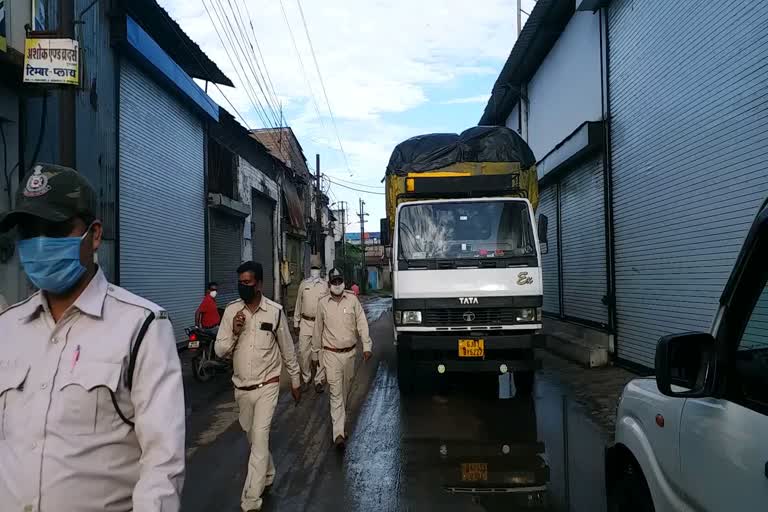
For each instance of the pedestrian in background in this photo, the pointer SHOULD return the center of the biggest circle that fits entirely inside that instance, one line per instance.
(207, 315)
(340, 321)
(310, 292)
(255, 335)
(355, 289)
(92, 415)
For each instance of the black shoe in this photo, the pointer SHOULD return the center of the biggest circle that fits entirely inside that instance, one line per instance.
(319, 388)
(267, 490)
(340, 443)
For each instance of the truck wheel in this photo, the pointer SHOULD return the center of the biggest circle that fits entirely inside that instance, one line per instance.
(630, 492)
(405, 377)
(524, 382)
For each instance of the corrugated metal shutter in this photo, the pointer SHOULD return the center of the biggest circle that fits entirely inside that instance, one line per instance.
(549, 261)
(162, 230)
(583, 242)
(690, 139)
(262, 240)
(226, 238)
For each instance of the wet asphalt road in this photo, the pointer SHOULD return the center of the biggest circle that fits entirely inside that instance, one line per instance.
(453, 445)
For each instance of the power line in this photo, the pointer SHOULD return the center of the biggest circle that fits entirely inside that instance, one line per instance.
(271, 86)
(357, 189)
(301, 65)
(322, 84)
(349, 182)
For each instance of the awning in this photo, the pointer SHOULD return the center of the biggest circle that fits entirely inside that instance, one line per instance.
(295, 208)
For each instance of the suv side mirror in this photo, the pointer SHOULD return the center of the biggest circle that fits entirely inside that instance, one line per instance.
(688, 361)
(384, 229)
(542, 227)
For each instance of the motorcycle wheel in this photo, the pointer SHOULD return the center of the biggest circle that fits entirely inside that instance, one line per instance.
(199, 372)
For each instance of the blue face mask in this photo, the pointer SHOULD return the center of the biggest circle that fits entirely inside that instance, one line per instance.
(52, 264)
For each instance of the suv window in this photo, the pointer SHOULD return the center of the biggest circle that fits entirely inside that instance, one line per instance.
(751, 370)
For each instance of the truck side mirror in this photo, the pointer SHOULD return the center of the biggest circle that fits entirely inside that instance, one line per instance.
(688, 361)
(384, 229)
(542, 227)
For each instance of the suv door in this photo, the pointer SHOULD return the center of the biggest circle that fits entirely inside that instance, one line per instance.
(724, 440)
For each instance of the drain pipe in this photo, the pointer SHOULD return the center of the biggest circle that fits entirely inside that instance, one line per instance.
(610, 254)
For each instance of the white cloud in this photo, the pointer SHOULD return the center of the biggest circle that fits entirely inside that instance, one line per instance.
(482, 98)
(377, 58)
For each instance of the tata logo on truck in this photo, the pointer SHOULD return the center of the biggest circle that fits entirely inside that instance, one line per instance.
(466, 301)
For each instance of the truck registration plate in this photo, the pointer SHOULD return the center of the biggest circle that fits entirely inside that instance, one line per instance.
(472, 348)
(474, 472)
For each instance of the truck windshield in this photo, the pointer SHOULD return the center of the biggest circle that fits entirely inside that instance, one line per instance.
(487, 229)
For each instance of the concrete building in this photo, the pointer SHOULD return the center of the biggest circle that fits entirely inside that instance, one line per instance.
(645, 120)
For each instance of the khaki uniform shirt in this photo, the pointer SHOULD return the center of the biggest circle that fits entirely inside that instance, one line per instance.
(310, 292)
(256, 353)
(63, 445)
(339, 324)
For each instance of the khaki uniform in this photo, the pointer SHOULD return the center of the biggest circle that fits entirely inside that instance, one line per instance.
(337, 328)
(310, 292)
(256, 355)
(63, 444)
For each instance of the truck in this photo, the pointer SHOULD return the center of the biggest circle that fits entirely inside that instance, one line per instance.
(466, 259)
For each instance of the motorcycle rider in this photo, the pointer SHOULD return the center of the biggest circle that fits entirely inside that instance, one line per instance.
(207, 315)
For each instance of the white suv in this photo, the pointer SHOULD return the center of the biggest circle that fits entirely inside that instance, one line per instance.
(696, 437)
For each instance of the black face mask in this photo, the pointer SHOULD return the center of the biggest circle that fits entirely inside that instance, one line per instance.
(247, 293)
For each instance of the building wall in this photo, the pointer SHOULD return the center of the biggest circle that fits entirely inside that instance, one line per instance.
(688, 94)
(251, 178)
(566, 91)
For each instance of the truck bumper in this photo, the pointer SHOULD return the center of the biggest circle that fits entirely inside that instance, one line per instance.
(418, 342)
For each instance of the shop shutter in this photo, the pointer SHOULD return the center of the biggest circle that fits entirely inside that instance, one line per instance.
(262, 239)
(226, 239)
(161, 198)
(549, 261)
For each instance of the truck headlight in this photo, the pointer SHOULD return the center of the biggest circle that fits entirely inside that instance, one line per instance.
(411, 317)
(398, 317)
(526, 315)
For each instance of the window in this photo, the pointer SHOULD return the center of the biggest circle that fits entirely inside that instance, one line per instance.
(751, 369)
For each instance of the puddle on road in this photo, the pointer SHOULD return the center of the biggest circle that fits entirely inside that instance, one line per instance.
(460, 451)
(376, 307)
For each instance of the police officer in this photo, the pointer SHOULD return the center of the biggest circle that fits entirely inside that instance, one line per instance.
(310, 291)
(91, 396)
(254, 333)
(340, 320)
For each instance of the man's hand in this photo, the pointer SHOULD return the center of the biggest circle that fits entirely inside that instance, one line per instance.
(296, 393)
(238, 323)
(367, 356)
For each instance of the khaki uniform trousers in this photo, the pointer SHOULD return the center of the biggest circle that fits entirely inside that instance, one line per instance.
(256, 410)
(305, 354)
(339, 370)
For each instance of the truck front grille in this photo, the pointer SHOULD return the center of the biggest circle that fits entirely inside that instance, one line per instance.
(477, 316)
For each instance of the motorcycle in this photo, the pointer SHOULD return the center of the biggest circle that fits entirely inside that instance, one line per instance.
(205, 362)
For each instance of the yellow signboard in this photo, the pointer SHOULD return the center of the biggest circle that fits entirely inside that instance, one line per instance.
(51, 61)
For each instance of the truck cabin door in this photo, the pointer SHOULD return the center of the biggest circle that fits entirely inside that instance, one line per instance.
(724, 439)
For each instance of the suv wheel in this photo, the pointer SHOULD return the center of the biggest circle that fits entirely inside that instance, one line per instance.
(630, 492)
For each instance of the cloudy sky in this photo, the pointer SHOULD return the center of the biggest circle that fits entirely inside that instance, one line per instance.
(392, 69)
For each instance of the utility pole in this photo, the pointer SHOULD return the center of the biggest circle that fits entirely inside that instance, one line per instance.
(344, 235)
(519, 17)
(67, 121)
(318, 213)
(364, 273)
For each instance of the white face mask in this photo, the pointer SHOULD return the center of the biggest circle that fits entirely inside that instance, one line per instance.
(337, 289)
(213, 294)
(314, 273)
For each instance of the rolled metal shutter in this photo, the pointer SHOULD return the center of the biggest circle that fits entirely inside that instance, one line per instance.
(262, 240)
(226, 239)
(583, 243)
(549, 261)
(689, 133)
(161, 198)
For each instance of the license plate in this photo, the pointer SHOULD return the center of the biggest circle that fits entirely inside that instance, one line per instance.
(474, 472)
(472, 348)
(193, 344)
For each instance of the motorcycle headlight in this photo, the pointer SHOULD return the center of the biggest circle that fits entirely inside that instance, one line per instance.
(526, 315)
(411, 317)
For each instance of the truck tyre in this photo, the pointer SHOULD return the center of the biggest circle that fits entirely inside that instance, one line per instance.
(524, 382)
(629, 491)
(405, 377)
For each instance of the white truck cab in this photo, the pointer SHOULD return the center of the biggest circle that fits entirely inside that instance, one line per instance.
(696, 437)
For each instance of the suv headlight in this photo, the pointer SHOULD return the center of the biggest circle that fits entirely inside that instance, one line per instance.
(526, 315)
(411, 317)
